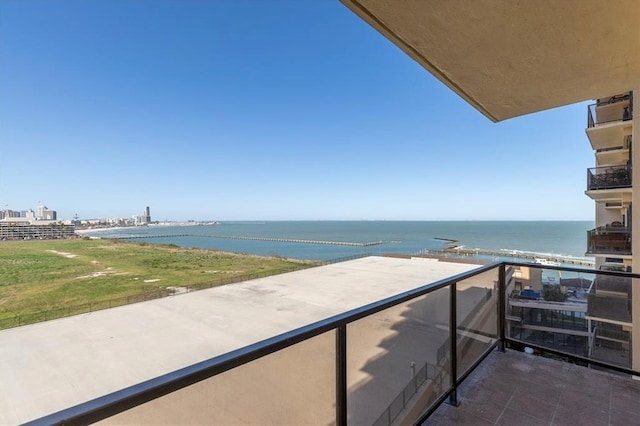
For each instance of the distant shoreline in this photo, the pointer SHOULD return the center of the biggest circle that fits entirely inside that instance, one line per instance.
(89, 231)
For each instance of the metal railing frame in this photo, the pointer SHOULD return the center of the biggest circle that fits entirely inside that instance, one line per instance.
(125, 399)
(609, 177)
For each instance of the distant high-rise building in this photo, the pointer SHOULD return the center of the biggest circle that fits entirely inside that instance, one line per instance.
(147, 215)
(44, 213)
(7, 214)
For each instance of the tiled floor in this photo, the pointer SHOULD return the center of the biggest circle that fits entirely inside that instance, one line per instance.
(514, 388)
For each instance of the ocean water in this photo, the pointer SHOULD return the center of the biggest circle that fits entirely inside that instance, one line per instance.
(563, 238)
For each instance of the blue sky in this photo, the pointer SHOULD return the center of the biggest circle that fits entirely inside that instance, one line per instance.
(258, 110)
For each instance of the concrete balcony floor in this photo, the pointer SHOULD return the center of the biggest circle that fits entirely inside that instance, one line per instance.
(514, 388)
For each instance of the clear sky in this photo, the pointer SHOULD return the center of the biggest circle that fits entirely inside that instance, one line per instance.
(258, 110)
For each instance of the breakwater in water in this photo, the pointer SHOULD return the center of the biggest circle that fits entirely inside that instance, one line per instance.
(271, 239)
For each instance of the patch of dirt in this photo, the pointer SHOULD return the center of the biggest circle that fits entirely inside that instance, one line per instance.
(104, 273)
(177, 290)
(62, 253)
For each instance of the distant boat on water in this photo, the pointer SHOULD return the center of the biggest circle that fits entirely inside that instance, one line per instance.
(546, 262)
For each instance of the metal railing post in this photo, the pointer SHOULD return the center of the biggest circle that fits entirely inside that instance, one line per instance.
(341, 375)
(502, 306)
(453, 345)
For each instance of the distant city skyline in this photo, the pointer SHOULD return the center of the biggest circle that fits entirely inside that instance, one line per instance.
(45, 213)
(255, 110)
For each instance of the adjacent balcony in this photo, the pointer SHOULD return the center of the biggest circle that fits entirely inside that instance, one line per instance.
(447, 342)
(609, 177)
(610, 110)
(609, 122)
(614, 240)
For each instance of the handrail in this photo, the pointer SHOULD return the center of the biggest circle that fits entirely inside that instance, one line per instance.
(610, 168)
(614, 99)
(608, 229)
(122, 400)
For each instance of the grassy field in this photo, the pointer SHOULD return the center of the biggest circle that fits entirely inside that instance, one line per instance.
(44, 279)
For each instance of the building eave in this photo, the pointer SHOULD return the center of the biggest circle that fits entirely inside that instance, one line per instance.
(509, 59)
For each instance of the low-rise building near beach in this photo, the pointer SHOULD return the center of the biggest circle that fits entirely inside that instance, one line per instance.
(25, 229)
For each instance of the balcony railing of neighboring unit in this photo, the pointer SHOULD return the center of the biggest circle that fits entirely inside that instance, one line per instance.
(609, 177)
(610, 110)
(609, 240)
(609, 307)
(610, 299)
(612, 285)
(337, 371)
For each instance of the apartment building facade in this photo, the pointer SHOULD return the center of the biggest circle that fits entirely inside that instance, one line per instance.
(610, 131)
(609, 183)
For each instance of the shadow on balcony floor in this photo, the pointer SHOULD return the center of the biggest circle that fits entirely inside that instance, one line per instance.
(514, 388)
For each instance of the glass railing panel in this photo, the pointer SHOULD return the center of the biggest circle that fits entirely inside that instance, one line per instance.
(611, 343)
(548, 307)
(398, 360)
(295, 385)
(610, 311)
(476, 317)
(611, 307)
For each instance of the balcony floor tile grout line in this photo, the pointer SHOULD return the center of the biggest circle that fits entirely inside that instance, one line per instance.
(506, 406)
(555, 409)
(610, 401)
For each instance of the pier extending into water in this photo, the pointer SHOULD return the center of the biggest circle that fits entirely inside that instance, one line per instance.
(459, 252)
(451, 249)
(272, 239)
(295, 240)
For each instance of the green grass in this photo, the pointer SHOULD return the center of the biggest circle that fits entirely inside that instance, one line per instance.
(37, 282)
